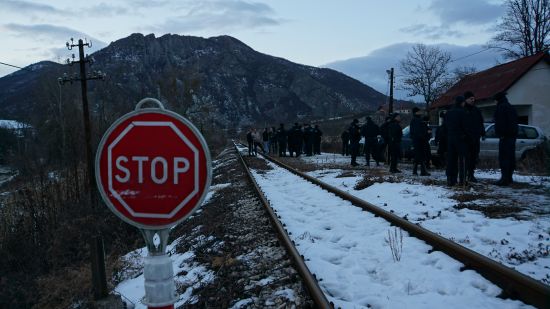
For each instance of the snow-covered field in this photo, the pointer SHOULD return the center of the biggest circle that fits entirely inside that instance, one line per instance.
(363, 262)
(351, 251)
(520, 240)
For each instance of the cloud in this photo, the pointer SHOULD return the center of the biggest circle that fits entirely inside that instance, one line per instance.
(371, 69)
(104, 9)
(466, 11)
(27, 7)
(432, 32)
(51, 34)
(220, 15)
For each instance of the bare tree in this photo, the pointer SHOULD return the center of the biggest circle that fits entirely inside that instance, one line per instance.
(524, 30)
(425, 72)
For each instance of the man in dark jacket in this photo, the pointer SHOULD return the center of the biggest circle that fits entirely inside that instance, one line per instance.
(454, 121)
(354, 138)
(506, 128)
(308, 140)
(441, 141)
(385, 138)
(474, 131)
(345, 142)
(281, 140)
(370, 131)
(295, 136)
(419, 133)
(395, 134)
(317, 140)
(250, 141)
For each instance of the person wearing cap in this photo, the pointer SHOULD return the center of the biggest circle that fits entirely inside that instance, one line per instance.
(370, 131)
(454, 121)
(506, 129)
(395, 134)
(419, 133)
(475, 129)
(354, 138)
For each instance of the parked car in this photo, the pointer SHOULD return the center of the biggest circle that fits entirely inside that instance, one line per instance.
(529, 138)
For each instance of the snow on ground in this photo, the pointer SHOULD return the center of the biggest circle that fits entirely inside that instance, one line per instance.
(187, 273)
(350, 250)
(522, 244)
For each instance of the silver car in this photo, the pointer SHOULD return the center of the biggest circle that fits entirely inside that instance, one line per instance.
(529, 137)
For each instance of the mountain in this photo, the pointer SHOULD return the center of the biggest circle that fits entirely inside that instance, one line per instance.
(218, 79)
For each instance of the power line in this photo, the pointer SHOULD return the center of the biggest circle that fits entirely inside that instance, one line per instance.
(11, 65)
(478, 52)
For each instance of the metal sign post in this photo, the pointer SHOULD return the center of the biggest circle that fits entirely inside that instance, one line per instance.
(153, 170)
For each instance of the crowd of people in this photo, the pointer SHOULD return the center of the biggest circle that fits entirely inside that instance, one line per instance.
(458, 140)
(295, 141)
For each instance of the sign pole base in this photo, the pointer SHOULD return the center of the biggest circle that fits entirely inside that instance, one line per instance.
(160, 289)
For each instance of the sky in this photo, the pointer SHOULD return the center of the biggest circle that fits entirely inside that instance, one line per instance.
(311, 32)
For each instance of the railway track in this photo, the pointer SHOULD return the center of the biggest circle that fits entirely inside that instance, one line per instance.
(514, 285)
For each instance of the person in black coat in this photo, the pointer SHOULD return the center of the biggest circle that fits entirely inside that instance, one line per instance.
(354, 138)
(281, 140)
(370, 131)
(454, 121)
(384, 134)
(308, 140)
(295, 136)
(317, 133)
(441, 141)
(419, 133)
(474, 131)
(345, 142)
(506, 128)
(395, 134)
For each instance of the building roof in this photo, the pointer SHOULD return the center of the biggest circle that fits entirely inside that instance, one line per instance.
(487, 83)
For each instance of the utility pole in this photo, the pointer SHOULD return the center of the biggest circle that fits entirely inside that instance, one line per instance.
(390, 108)
(83, 78)
(96, 243)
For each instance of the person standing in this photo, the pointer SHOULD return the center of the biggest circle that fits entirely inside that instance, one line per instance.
(273, 140)
(281, 140)
(370, 131)
(506, 129)
(419, 133)
(385, 138)
(354, 138)
(395, 134)
(257, 141)
(317, 133)
(308, 140)
(250, 141)
(441, 141)
(454, 120)
(345, 142)
(474, 131)
(265, 140)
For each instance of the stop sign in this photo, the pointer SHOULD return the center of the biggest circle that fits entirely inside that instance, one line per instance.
(153, 168)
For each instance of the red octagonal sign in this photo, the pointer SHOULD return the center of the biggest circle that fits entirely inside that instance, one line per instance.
(153, 168)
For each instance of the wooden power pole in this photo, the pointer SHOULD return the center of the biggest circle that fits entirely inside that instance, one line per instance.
(96, 243)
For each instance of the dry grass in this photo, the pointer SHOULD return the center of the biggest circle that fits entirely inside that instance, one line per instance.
(495, 210)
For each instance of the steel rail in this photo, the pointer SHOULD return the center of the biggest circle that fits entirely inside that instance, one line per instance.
(310, 281)
(514, 284)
